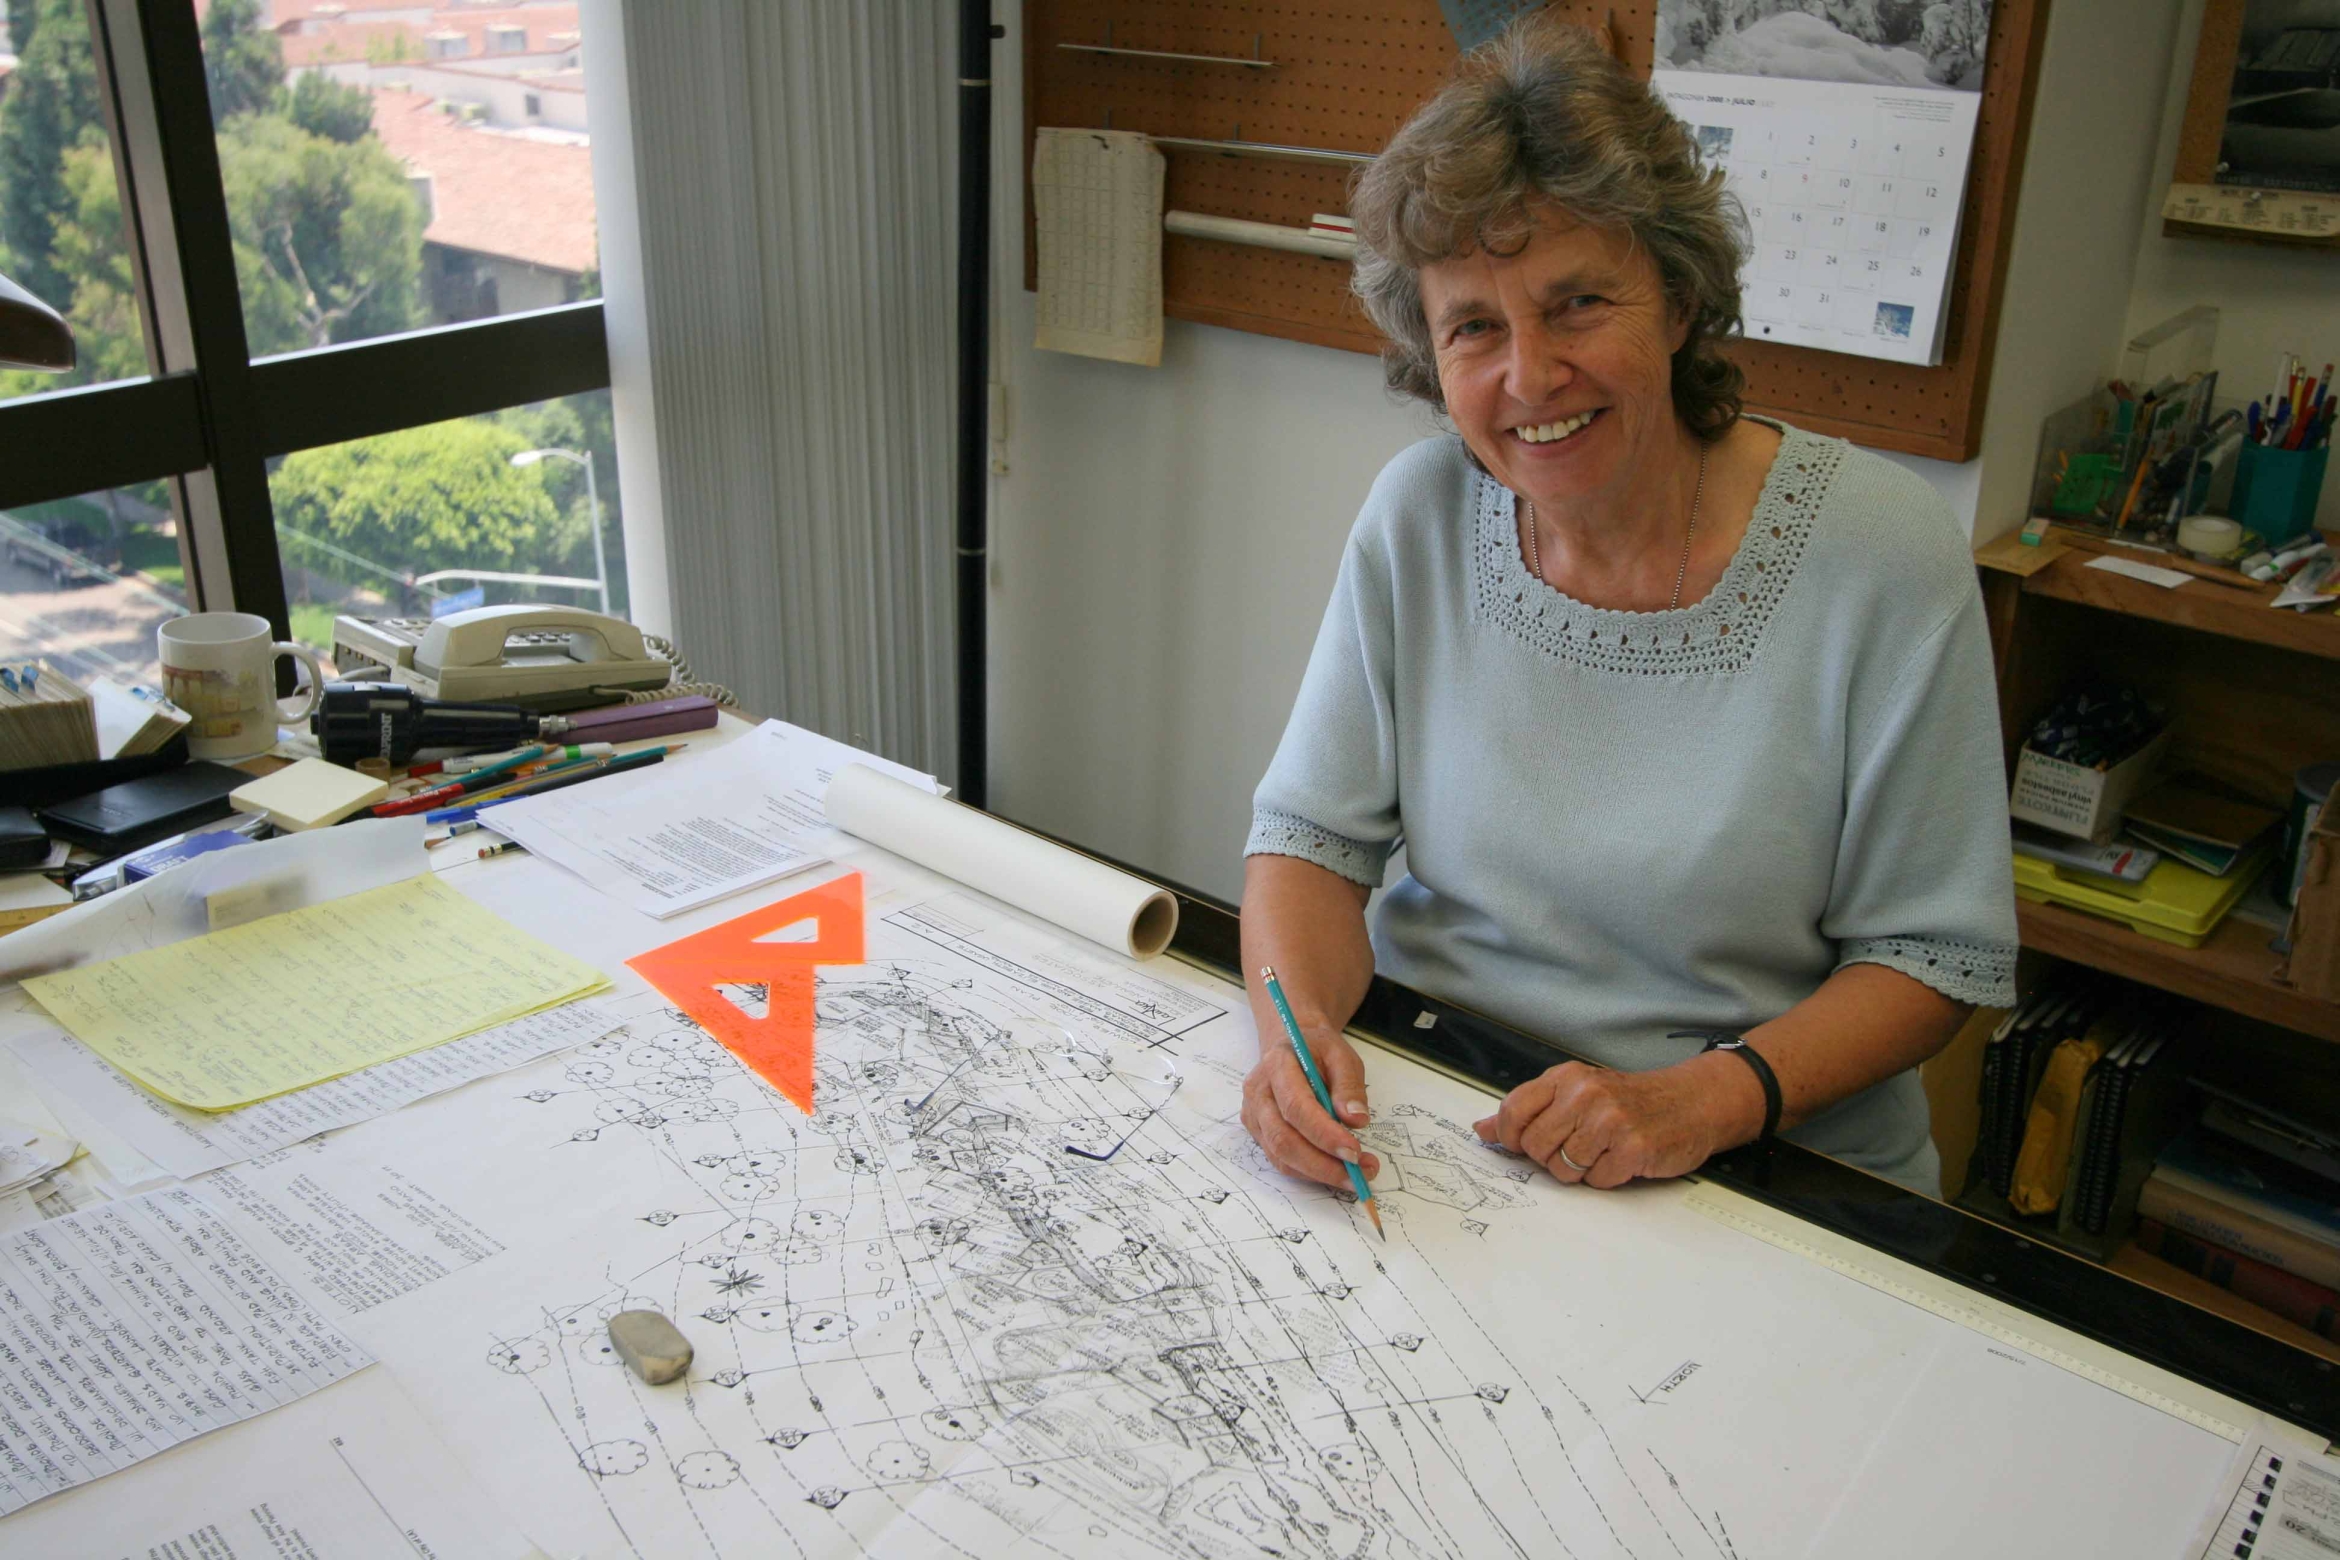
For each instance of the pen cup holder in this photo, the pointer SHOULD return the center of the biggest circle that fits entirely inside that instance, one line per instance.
(2275, 491)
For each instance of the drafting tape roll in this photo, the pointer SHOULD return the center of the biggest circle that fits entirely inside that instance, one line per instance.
(2208, 535)
(1125, 913)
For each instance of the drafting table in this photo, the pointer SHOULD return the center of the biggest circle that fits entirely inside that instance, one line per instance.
(923, 1328)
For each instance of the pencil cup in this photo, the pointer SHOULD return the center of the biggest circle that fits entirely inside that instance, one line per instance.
(2275, 491)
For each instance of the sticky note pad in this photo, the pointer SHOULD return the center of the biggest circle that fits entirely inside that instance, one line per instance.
(308, 795)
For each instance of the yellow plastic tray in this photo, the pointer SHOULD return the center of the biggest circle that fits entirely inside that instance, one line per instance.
(2175, 903)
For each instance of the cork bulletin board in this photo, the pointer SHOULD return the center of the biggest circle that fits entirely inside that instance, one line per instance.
(1344, 74)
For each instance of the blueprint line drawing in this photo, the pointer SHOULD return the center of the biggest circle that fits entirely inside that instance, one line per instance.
(1021, 1284)
(926, 1321)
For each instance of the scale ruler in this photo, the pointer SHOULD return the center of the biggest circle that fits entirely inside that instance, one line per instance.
(2275, 213)
(2202, 1408)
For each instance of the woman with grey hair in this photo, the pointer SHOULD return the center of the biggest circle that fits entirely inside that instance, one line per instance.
(1683, 717)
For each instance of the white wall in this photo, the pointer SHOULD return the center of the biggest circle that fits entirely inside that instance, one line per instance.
(2271, 300)
(1165, 538)
(1164, 541)
(2087, 186)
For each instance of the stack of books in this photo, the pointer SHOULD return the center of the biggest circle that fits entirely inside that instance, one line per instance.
(2208, 826)
(2257, 1213)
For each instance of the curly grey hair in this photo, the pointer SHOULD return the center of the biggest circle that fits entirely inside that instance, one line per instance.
(1543, 114)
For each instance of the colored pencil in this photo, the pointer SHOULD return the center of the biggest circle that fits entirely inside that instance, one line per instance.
(1275, 991)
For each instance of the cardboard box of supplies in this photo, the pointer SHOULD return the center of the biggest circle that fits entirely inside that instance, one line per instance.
(2076, 800)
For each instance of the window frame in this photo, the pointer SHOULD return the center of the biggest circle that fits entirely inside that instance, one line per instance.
(207, 417)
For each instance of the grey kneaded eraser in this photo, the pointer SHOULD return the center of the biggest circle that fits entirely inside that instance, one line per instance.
(652, 1347)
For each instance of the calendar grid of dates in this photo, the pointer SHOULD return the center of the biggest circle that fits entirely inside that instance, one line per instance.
(1852, 201)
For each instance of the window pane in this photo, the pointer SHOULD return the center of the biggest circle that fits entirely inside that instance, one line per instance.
(62, 234)
(84, 582)
(472, 512)
(395, 168)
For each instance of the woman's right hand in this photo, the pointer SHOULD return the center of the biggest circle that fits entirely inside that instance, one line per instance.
(1281, 1113)
(1308, 922)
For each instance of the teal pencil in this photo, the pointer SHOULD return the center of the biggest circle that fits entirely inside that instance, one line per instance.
(1275, 990)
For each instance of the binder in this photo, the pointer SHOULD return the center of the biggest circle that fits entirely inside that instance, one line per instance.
(2033, 1044)
(62, 782)
(2096, 1109)
(2001, 1074)
(2051, 1129)
(2137, 1103)
(2123, 1138)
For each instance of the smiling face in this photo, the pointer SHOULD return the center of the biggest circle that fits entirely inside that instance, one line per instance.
(1556, 364)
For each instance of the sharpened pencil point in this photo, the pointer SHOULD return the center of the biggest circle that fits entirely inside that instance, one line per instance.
(1373, 1212)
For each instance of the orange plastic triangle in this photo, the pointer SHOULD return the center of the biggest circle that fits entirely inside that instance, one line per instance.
(778, 1047)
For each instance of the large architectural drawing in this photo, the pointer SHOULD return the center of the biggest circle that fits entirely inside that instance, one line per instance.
(995, 1295)
(1022, 1285)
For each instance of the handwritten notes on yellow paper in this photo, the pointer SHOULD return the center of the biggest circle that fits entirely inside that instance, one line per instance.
(294, 999)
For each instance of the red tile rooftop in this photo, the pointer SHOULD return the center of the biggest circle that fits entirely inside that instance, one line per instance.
(282, 13)
(347, 42)
(494, 194)
(369, 31)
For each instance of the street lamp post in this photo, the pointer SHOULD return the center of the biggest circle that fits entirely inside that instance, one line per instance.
(593, 499)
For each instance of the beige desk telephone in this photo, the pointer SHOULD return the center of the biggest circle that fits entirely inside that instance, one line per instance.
(546, 658)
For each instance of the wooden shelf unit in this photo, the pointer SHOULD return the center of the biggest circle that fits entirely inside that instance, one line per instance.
(2208, 606)
(2234, 970)
(2253, 694)
(2147, 1269)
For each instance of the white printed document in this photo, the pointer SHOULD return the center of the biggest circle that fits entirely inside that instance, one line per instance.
(1847, 140)
(189, 1142)
(128, 1328)
(674, 837)
(349, 1473)
(2280, 1500)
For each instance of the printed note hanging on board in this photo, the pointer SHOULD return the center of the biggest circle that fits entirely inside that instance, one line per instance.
(1097, 218)
(713, 977)
(1846, 136)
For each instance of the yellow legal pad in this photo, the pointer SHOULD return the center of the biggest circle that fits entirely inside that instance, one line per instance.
(289, 1000)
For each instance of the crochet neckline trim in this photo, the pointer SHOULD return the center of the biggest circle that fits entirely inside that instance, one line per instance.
(1719, 633)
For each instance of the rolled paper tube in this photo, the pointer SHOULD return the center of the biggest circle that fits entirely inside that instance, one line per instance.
(1264, 235)
(1084, 896)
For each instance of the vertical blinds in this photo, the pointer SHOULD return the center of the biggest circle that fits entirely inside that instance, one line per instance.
(796, 194)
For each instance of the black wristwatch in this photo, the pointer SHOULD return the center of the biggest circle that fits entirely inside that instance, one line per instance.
(1724, 1040)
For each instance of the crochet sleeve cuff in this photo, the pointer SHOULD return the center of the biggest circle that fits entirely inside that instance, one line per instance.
(1980, 973)
(1287, 834)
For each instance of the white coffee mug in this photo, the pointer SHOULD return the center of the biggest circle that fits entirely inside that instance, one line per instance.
(220, 667)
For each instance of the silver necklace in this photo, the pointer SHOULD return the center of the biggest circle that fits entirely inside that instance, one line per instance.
(1536, 553)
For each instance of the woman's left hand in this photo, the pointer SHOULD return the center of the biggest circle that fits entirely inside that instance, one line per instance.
(1605, 1128)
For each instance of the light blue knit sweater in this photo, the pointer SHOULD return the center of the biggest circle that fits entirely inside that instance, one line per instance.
(1618, 824)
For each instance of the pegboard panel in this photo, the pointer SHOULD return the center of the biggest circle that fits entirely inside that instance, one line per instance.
(1347, 73)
